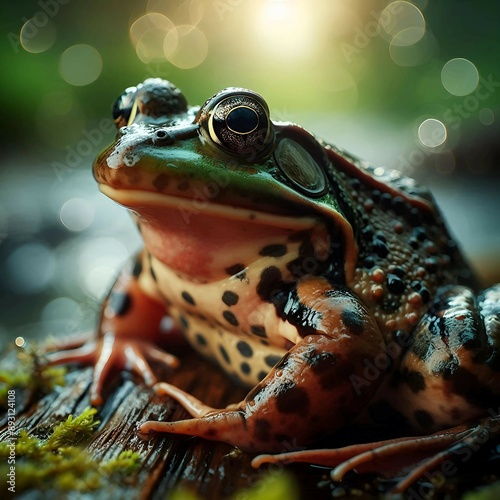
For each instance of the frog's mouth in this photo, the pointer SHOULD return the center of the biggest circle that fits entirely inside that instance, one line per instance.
(196, 238)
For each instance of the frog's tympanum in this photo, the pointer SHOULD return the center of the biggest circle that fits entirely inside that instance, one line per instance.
(330, 288)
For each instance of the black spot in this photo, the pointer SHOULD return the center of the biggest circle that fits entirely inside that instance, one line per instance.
(273, 251)
(353, 320)
(367, 232)
(415, 217)
(369, 262)
(386, 200)
(271, 360)
(258, 330)
(431, 264)
(183, 185)
(201, 340)
(321, 362)
(184, 322)
(188, 298)
(415, 380)
(413, 242)
(151, 270)
(235, 269)
(230, 318)
(245, 368)
(425, 294)
(160, 181)
(262, 375)
(292, 399)
(119, 302)
(244, 348)
(137, 270)
(424, 419)
(270, 283)
(399, 272)
(262, 429)
(230, 298)
(419, 233)
(395, 284)
(324, 365)
(380, 248)
(224, 353)
(398, 205)
(467, 385)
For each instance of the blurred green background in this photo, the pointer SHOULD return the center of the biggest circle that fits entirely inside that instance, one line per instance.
(406, 85)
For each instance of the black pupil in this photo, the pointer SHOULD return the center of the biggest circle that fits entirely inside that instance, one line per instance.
(242, 120)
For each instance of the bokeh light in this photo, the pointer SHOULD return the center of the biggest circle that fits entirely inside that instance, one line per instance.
(403, 23)
(414, 54)
(20, 342)
(459, 76)
(432, 133)
(37, 35)
(148, 33)
(80, 64)
(77, 214)
(486, 116)
(185, 46)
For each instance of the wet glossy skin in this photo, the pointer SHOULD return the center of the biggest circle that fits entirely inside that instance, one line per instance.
(331, 288)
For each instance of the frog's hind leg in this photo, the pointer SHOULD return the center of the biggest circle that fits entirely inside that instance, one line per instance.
(410, 457)
(451, 372)
(450, 375)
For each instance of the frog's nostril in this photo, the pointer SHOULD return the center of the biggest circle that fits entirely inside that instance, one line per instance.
(162, 137)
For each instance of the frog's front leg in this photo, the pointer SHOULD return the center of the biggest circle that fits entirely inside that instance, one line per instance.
(129, 333)
(309, 392)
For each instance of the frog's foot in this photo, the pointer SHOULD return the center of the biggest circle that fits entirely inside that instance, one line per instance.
(394, 457)
(111, 352)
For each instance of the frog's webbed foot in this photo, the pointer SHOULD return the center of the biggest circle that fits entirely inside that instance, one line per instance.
(409, 457)
(111, 352)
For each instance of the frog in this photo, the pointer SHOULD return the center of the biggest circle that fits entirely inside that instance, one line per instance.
(330, 288)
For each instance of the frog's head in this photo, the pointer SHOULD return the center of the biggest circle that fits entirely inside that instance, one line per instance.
(222, 176)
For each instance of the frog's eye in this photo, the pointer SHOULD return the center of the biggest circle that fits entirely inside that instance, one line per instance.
(123, 106)
(301, 167)
(238, 123)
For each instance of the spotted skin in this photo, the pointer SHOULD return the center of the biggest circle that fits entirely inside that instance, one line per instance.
(330, 288)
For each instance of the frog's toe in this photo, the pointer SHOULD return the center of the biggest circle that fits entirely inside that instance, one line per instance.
(109, 353)
(83, 354)
(408, 458)
(69, 343)
(192, 405)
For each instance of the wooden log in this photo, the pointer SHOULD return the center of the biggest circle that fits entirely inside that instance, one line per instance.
(210, 470)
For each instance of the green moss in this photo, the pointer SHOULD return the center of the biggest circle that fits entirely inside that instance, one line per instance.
(271, 486)
(59, 462)
(30, 374)
(491, 492)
